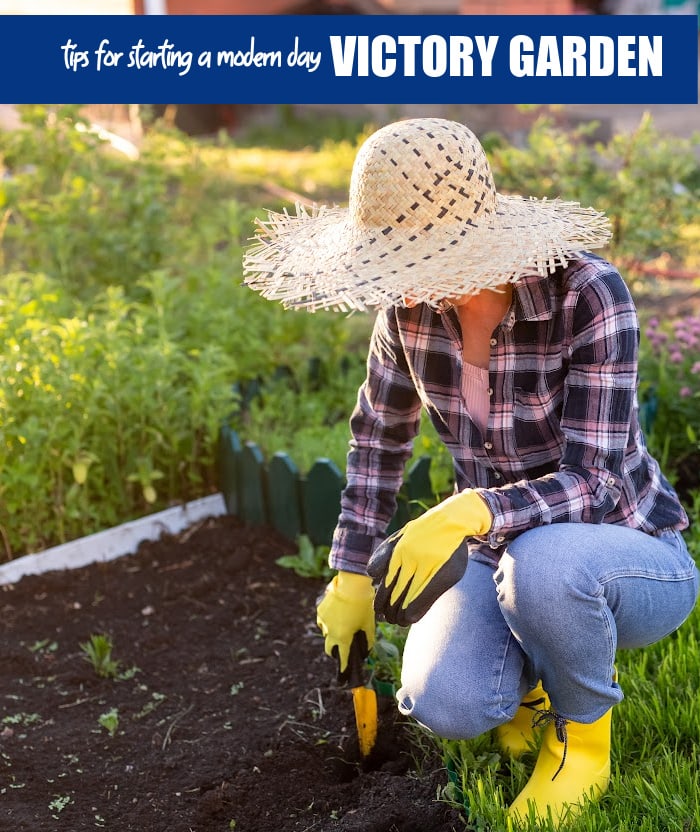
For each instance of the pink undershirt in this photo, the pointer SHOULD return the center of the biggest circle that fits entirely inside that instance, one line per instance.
(475, 390)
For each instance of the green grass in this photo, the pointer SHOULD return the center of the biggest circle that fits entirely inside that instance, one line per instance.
(656, 737)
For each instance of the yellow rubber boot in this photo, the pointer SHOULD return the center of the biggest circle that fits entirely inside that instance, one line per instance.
(518, 736)
(573, 764)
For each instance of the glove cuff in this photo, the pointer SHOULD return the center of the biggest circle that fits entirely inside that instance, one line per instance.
(353, 585)
(480, 515)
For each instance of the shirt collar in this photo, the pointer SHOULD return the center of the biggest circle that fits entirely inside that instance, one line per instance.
(532, 298)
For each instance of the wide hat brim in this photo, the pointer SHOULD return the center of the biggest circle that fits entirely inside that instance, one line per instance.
(317, 258)
(424, 223)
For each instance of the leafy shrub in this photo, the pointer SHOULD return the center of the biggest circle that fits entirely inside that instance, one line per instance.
(670, 397)
(123, 336)
(86, 218)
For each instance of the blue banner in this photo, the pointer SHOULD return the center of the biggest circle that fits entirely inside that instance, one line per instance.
(323, 59)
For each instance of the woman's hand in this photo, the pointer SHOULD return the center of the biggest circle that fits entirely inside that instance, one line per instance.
(429, 555)
(344, 609)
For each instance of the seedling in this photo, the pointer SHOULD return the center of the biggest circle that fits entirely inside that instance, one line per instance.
(150, 706)
(98, 651)
(59, 803)
(44, 646)
(309, 562)
(110, 721)
(22, 719)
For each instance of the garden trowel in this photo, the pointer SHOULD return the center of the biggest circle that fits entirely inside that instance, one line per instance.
(364, 697)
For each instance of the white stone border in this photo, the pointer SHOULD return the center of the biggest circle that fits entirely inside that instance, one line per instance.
(115, 542)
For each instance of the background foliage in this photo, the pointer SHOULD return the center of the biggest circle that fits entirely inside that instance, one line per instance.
(128, 337)
(125, 327)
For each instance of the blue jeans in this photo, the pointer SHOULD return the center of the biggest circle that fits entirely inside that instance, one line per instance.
(558, 605)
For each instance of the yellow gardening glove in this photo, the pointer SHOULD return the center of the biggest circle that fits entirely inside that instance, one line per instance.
(413, 567)
(345, 615)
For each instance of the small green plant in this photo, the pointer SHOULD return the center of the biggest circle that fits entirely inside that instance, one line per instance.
(110, 721)
(309, 562)
(22, 719)
(59, 803)
(385, 658)
(44, 646)
(150, 706)
(98, 652)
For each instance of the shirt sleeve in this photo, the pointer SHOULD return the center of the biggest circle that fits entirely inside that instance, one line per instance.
(384, 423)
(597, 410)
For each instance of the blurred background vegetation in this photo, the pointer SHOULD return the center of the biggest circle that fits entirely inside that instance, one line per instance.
(128, 339)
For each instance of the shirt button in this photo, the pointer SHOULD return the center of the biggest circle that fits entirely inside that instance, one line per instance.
(493, 342)
(496, 475)
(488, 445)
(500, 538)
(611, 480)
(489, 390)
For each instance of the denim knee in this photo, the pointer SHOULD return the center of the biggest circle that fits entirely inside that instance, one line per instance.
(436, 707)
(530, 586)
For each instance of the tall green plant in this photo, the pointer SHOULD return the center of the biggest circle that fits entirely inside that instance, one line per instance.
(104, 413)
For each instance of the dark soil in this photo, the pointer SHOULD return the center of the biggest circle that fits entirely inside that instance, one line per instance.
(232, 721)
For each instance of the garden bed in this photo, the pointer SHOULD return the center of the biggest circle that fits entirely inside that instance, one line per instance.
(225, 712)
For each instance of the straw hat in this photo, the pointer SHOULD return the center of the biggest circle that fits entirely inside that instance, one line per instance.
(424, 222)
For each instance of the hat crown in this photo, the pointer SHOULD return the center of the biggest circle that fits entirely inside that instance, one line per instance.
(419, 176)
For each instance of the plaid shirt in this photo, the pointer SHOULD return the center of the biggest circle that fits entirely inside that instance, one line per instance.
(563, 441)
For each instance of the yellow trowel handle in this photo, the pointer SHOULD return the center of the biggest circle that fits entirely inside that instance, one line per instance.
(364, 698)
